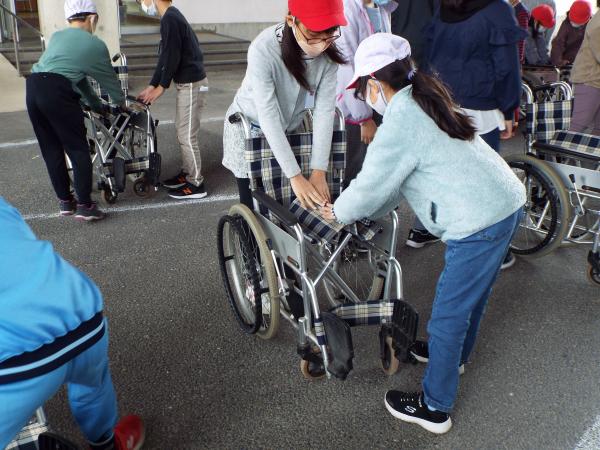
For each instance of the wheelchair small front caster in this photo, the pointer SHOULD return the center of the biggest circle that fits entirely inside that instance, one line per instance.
(142, 188)
(389, 363)
(108, 197)
(593, 275)
(312, 371)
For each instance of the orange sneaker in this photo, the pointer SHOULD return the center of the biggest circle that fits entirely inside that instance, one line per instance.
(130, 433)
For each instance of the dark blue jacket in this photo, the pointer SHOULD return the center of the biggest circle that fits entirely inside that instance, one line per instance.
(478, 57)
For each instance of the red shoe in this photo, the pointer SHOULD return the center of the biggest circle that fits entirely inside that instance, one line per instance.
(130, 433)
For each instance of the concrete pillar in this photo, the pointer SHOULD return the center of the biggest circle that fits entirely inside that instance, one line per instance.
(52, 18)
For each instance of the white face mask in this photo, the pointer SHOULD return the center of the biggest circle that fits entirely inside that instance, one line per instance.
(150, 10)
(381, 104)
(311, 50)
(576, 25)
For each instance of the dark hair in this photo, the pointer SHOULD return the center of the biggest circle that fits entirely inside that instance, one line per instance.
(534, 26)
(292, 55)
(80, 17)
(430, 94)
(454, 5)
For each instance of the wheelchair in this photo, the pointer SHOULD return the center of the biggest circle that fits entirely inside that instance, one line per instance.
(280, 260)
(561, 172)
(36, 435)
(123, 143)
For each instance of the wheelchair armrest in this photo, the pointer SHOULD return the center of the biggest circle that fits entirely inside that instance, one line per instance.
(276, 208)
(564, 151)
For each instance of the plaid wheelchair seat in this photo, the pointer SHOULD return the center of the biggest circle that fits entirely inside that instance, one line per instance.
(545, 119)
(28, 436)
(265, 174)
(577, 142)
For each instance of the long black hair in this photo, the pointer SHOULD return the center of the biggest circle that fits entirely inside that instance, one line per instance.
(292, 55)
(534, 26)
(430, 94)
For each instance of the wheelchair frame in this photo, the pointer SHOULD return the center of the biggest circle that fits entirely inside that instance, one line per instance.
(291, 247)
(573, 180)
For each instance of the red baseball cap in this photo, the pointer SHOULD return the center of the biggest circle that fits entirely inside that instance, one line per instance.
(544, 14)
(580, 12)
(318, 15)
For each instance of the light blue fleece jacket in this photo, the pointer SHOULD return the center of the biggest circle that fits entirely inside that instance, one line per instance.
(456, 188)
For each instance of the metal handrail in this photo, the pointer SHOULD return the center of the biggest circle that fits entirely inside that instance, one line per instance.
(15, 30)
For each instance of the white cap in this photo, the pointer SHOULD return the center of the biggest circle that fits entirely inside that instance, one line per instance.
(376, 52)
(76, 7)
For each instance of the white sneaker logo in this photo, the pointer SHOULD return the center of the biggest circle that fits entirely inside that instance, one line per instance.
(410, 409)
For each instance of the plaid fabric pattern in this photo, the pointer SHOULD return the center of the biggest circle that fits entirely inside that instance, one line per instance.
(265, 172)
(28, 436)
(315, 224)
(132, 166)
(577, 142)
(367, 313)
(123, 76)
(545, 119)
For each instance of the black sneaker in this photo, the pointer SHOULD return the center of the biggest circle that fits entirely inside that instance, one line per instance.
(411, 408)
(420, 351)
(420, 238)
(67, 207)
(509, 261)
(177, 182)
(89, 212)
(188, 192)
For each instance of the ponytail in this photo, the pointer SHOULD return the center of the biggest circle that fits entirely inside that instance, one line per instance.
(430, 94)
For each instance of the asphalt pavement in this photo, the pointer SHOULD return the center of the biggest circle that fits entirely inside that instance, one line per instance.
(179, 360)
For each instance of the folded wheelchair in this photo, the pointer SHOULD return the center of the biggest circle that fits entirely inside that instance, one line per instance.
(561, 172)
(123, 143)
(36, 435)
(282, 260)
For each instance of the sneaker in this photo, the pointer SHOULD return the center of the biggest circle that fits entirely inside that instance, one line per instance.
(178, 181)
(420, 351)
(129, 433)
(67, 207)
(509, 261)
(89, 212)
(411, 408)
(188, 191)
(420, 238)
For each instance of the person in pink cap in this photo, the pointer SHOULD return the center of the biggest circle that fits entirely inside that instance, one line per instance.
(291, 66)
(567, 42)
(536, 50)
(427, 152)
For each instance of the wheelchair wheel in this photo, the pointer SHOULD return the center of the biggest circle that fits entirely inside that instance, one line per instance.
(108, 197)
(313, 370)
(547, 209)
(248, 272)
(359, 269)
(593, 275)
(143, 188)
(389, 363)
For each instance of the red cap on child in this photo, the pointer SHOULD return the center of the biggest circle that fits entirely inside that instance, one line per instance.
(580, 12)
(318, 15)
(544, 14)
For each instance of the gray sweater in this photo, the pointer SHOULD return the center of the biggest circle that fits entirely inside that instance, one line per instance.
(271, 98)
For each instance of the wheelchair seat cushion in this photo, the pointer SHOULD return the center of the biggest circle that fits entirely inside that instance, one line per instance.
(545, 119)
(587, 144)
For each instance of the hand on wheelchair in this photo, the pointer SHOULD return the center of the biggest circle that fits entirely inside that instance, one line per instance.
(306, 192)
(318, 179)
(327, 212)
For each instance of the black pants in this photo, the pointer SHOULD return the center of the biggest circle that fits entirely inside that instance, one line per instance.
(356, 151)
(58, 123)
(245, 192)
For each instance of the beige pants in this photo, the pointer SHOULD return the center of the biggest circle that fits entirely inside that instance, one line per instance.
(191, 98)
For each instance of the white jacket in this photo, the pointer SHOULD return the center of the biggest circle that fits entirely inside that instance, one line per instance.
(358, 29)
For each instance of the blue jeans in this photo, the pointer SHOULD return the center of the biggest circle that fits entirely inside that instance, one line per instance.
(90, 390)
(463, 290)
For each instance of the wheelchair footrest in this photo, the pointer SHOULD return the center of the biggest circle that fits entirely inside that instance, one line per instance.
(154, 168)
(339, 342)
(402, 329)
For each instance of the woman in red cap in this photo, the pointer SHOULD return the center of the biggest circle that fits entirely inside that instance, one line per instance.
(536, 50)
(291, 66)
(570, 35)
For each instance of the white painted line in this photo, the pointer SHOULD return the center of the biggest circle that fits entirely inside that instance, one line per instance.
(591, 438)
(27, 142)
(161, 205)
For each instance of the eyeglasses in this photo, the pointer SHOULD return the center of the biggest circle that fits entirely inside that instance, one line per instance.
(313, 41)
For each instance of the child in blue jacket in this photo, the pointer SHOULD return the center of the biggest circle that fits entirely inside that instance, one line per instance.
(52, 332)
(427, 152)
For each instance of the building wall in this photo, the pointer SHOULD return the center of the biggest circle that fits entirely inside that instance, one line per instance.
(52, 18)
